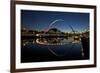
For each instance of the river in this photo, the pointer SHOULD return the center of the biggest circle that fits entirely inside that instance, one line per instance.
(50, 49)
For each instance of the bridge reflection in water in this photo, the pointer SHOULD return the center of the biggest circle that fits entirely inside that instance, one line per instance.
(51, 49)
(53, 45)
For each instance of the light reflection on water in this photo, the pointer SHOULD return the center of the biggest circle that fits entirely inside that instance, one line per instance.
(58, 47)
(51, 41)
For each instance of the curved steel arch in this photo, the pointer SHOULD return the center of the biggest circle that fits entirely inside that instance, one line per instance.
(53, 22)
(50, 25)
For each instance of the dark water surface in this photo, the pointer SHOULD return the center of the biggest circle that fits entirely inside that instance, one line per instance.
(33, 50)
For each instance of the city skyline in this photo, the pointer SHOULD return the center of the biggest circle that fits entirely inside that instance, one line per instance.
(42, 20)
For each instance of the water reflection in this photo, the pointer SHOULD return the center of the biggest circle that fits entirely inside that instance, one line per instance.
(55, 41)
(56, 46)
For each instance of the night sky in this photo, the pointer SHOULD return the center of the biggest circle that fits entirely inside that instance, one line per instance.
(41, 20)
